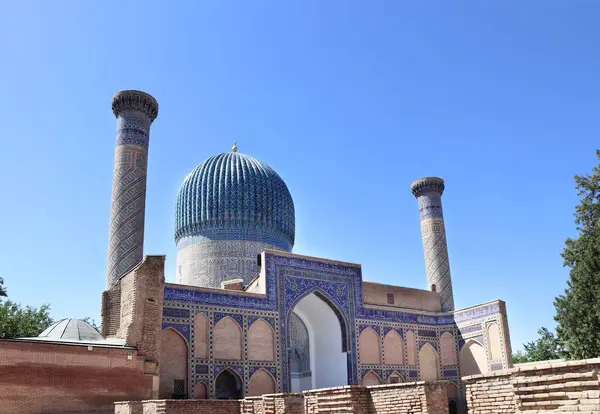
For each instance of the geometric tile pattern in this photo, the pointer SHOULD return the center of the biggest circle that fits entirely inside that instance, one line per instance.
(135, 112)
(231, 197)
(428, 192)
(289, 280)
(207, 263)
(234, 191)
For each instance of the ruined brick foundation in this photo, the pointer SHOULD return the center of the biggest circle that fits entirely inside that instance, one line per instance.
(414, 398)
(566, 387)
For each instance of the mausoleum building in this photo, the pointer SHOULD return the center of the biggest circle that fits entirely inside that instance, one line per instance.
(247, 316)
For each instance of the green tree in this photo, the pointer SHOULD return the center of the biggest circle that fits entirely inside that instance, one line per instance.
(17, 321)
(544, 348)
(519, 357)
(578, 309)
(2, 288)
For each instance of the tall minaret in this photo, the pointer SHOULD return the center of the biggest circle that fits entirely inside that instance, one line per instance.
(135, 112)
(428, 192)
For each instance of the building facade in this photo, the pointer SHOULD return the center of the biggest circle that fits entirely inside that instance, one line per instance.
(249, 317)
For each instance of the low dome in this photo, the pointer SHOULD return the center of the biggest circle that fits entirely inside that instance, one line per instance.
(232, 196)
(71, 330)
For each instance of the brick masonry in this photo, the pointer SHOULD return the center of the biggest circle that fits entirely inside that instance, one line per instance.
(178, 407)
(572, 386)
(41, 377)
(111, 311)
(413, 398)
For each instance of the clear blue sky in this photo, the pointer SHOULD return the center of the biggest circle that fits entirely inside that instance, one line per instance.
(350, 101)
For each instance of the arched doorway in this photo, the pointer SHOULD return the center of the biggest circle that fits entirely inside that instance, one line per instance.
(452, 399)
(228, 386)
(316, 349)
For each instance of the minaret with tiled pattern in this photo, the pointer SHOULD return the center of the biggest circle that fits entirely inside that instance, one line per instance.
(428, 192)
(135, 112)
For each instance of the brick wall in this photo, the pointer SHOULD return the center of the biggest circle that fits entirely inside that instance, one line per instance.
(38, 377)
(420, 397)
(572, 386)
(407, 398)
(189, 407)
(129, 407)
(111, 311)
(403, 297)
(142, 293)
(350, 399)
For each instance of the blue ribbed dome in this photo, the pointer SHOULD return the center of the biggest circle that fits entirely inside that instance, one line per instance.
(232, 196)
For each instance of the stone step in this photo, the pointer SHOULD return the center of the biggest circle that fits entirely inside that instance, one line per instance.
(547, 403)
(574, 410)
(592, 385)
(561, 395)
(556, 377)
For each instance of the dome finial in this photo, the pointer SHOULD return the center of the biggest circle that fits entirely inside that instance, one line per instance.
(234, 148)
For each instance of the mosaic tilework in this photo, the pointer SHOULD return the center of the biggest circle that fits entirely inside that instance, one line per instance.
(234, 191)
(205, 370)
(238, 317)
(254, 318)
(133, 127)
(428, 192)
(220, 368)
(229, 209)
(271, 370)
(208, 263)
(135, 111)
(291, 278)
(176, 312)
(476, 313)
(202, 369)
(470, 328)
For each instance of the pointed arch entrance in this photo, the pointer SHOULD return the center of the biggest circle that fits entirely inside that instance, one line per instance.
(228, 386)
(317, 344)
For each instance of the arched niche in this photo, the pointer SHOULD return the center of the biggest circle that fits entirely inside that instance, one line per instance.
(448, 349)
(371, 379)
(494, 342)
(173, 365)
(201, 336)
(393, 348)
(395, 378)
(201, 391)
(261, 382)
(227, 338)
(411, 348)
(228, 385)
(369, 348)
(473, 359)
(261, 341)
(429, 369)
